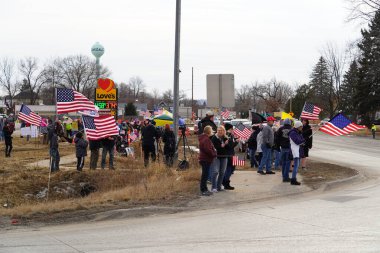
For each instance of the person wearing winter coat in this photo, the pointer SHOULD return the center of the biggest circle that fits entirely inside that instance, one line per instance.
(95, 145)
(81, 150)
(108, 144)
(220, 142)
(149, 136)
(232, 143)
(284, 143)
(266, 146)
(307, 134)
(296, 144)
(207, 155)
(168, 139)
(207, 121)
(252, 146)
(53, 132)
(7, 132)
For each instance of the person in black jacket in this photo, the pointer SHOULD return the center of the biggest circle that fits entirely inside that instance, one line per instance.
(108, 147)
(95, 145)
(220, 142)
(282, 141)
(307, 134)
(232, 143)
(8, 131)
(81, 150)
(53, 132)
(169, 145)
(207, 121)
(252, 146)
(149, 135)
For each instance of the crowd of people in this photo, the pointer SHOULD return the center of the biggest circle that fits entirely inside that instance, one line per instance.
(284, 148)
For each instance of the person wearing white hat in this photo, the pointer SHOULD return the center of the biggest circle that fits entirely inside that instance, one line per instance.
(296, 144)
(207, 121)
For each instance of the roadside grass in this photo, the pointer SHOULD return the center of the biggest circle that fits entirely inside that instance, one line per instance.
(23, 190)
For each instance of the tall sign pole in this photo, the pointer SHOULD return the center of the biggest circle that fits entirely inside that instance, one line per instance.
(176, 67)
(192, 92)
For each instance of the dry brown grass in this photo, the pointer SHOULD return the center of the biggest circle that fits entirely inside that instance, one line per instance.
(130, 183)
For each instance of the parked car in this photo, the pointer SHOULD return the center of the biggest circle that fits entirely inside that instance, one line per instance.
(324, 121)
(235, 122)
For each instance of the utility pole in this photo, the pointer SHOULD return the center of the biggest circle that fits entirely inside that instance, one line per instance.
(192, 91)
(176, 68)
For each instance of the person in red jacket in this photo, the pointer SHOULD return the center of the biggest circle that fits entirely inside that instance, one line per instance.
(207, 154)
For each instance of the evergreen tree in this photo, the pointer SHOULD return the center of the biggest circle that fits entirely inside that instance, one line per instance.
(130, 110)
(322, 90)
(367, 97)
(302, 94)
(348, 91)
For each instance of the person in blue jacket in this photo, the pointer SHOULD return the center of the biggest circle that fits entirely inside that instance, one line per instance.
(296, 144)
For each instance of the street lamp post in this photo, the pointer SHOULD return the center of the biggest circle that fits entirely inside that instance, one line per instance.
(97, 50)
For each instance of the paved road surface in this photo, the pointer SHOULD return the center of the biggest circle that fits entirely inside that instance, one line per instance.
(341, 220)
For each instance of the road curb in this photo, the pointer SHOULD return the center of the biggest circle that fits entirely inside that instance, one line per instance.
(342, 182)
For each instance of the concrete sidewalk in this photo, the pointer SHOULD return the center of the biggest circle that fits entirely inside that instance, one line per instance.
(251, 186)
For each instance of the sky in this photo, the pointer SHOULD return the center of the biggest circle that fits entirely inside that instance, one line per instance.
(252, 39)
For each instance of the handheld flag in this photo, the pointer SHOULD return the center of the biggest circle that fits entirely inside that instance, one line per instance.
(340, 125)
(28, 116)
(100, 127)
(242, 131)
(237, 162)
(285, 115)
(310, 111)
(69, 100)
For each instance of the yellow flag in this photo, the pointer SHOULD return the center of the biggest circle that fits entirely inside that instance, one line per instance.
(285, 115)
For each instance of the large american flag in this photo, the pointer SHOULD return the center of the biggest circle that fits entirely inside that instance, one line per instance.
(225, 113)
(99, 127)
(236, 161)
(340, 125)
(242, 131)
(310, 111)
(28, 116)
(69, 100)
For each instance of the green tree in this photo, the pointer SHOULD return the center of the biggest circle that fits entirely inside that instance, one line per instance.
(348, 91)
(367, 97)
(321, 88)
(130, 110)
(302, 94)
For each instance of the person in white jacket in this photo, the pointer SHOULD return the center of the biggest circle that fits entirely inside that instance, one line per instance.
(296, 141)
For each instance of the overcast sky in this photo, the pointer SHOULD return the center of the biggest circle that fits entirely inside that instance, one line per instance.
(253, 39)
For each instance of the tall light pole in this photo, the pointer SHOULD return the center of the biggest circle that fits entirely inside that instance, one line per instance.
(97, 50)
(176, 67)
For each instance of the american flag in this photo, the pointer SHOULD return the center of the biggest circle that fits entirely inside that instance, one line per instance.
(132, 137)
(242, 131)
(225, 113)
(69, 100)
(310, 111)
(99, 127)
(236, 161)
(340, 125)
(28, 116)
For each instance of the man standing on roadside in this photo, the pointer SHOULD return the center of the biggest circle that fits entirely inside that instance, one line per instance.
(149, 135)
(108, 147)
(373, 130)
(207, 121)
(266, 146)
(95, 145)
(284, 143)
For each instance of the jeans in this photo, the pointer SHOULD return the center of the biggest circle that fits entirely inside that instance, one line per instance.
(1, 135)
(252, 157)
(295, 169)
(266, 160)
(94, 159)
(8, 146)
(104, 155)
(277, 158)
(285, 162)
(227, 174)
(218, 169)
(54, 160)
(205, 171)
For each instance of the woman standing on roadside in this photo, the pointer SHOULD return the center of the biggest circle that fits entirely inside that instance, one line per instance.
(220, 141)
(207, 155)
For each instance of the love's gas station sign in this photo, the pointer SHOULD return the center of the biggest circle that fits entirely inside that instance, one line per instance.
(106, 97)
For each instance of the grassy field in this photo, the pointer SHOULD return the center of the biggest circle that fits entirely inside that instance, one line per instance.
(23, 190)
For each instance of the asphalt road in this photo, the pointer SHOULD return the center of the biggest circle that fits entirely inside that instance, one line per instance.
(340, 220)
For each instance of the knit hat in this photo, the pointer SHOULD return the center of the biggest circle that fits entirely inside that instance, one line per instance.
(287, 122)
(297, 124)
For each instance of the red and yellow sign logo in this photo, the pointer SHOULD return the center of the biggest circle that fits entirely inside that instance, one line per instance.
(105, 84)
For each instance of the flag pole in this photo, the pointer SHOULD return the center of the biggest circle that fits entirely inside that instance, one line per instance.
(302, 109)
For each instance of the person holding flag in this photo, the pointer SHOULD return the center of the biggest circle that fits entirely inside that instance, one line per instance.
(296, 144)
(307, 134)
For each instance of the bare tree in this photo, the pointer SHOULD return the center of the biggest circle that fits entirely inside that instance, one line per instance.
(8, 79)
(362, 10)
(32, 77)
(136, 85)
(274, 93)
(79, 73)
(155, 95)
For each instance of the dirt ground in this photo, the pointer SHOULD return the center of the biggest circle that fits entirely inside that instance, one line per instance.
(75, 196)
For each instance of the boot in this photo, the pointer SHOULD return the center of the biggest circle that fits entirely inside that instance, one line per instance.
(294, 182)
(227, 186)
